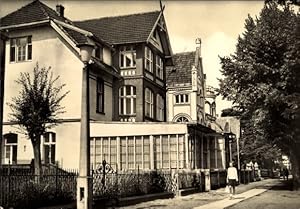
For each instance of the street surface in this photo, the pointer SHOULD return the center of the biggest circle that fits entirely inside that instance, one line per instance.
(278, 197)
(201, 199)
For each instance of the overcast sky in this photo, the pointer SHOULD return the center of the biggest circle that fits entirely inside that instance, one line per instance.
(217, 23)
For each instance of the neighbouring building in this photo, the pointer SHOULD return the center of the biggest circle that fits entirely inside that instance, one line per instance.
(128, 103)
(186, 88)
(186, 98)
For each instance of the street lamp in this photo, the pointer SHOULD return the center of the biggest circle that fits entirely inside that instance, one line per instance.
(230, 136)
(84, 182)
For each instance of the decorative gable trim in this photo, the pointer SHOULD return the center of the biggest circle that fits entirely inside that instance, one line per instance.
(79, 30)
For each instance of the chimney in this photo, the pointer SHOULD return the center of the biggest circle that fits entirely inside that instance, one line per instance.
(60, 10)
(198, 48)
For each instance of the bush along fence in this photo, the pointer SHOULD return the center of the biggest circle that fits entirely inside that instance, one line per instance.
(21, 189)
(108, 183)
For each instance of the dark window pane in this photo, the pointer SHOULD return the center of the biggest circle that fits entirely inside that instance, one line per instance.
(12, 54)
(53, 154)
(46, 137)
(53, 137)
(128, 90)
(177, 98)
(46, 156)
(29, 55)
(134, 105)
(11, 138)
(128, 106)
(29, 39)
(122, 60)
(14, 155)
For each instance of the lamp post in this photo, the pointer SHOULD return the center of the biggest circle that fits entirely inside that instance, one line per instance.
(84, 181)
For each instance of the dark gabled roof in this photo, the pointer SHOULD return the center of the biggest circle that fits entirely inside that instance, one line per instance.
(181, 72)
(32, 12)
(132, 28)
(77, 37)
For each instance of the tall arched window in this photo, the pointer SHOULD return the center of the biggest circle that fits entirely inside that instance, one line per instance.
(160, 108)
(127, 100)
(149, 103)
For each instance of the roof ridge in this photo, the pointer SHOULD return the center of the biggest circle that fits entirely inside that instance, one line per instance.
(43, 9)
(126, 15)
(181, 53)
(19, 8)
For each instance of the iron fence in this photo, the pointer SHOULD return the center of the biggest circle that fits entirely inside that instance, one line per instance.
(20, 188)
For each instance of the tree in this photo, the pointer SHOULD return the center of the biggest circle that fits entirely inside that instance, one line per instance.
(252, 147)
(37, 106)
(262, 78)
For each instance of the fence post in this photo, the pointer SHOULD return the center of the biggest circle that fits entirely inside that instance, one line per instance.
(138, 177)
(56, 181)
(9, 180)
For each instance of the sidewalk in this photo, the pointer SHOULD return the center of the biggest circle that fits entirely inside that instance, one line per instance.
(205, 198)
(228, 202)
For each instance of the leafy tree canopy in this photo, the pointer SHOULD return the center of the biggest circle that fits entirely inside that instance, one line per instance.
(37, 106)
(262, 76)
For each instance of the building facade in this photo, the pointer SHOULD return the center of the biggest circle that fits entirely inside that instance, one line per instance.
(186, 88)
(128, 100)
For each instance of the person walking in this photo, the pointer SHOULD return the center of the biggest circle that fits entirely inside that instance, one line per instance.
(232, 179)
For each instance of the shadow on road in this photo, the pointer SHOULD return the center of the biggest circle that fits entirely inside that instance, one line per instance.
(283, 185)
(152, 206)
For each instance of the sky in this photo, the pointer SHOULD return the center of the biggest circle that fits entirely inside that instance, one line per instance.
(217, 23)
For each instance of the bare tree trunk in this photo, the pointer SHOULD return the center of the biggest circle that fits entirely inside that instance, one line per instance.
(295, 161)
(37, 157)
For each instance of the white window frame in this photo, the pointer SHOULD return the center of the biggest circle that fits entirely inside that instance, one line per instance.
(149, 104)
(10, 146)
(160, 108)
(159, 67)
(182, 99)
(18, 48)
(148, 59)
(125, 51)
(50, 143)
(124, 97)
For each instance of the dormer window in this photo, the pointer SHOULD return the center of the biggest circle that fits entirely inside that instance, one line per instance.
(127, 57)
(20, 49)
(148, 59)
(99, 52)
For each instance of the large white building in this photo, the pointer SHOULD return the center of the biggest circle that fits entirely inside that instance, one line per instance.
(127, 83)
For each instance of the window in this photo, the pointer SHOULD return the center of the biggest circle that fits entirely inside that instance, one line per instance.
(127, 100)
(148, 59)
(99, 52)
(11, 147)
(159, 67)
(181, 98)
(20, 49)
(160, 108)
(182, 119)
(127, 57)
(49, 147)
(148, 103)
(100, 96)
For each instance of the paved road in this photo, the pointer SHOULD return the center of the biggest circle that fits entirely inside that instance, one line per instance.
(278, 197)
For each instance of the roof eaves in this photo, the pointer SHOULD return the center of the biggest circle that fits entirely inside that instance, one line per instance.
(82, 31)
(26, 24)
